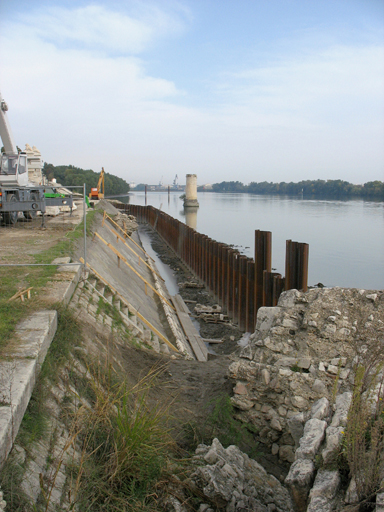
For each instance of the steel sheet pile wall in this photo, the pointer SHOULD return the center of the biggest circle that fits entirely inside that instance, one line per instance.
(240, 284)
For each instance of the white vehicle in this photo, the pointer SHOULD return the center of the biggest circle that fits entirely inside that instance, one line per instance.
(17, 194)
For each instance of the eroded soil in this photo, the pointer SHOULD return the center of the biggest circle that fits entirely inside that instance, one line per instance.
(227, 332)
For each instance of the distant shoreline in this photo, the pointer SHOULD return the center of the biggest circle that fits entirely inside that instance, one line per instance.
(317, 189)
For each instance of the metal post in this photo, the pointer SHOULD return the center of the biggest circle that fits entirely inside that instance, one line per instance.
(235, 285)
(241, 297)
(263, 261)
(85, 226)
(250, 290)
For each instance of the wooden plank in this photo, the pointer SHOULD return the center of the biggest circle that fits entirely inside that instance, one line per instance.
(21, 294)
(134, 252)
(135, 311)
(196, 342)
(126, 235)
(133, 270)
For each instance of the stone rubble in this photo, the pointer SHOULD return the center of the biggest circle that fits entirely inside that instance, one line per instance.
(311, 491)
(301, 349)
(293, 381)
(236, 483)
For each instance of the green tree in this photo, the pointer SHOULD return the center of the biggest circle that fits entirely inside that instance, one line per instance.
(68, 175)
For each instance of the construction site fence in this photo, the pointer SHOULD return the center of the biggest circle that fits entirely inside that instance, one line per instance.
(241, 285)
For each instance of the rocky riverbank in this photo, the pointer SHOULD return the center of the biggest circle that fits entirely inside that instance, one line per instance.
(293, 380)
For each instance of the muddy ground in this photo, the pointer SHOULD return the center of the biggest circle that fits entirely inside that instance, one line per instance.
(229, 333)
(197, 387)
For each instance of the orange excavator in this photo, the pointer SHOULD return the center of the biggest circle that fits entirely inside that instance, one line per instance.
(98, 192)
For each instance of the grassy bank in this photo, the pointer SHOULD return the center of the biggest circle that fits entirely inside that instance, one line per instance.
(14, 279)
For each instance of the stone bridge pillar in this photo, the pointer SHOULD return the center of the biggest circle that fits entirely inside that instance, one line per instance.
(191, 191)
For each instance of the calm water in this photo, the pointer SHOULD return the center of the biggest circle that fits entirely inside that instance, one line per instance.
(346, 238)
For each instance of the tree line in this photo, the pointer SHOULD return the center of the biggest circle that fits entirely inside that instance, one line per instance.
(335, 189)
(68, 175)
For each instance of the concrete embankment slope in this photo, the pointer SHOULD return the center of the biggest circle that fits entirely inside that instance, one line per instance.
(127, 274)
(132, 280)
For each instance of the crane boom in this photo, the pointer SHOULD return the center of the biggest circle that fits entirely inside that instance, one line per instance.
(17, 194)
(5, 130)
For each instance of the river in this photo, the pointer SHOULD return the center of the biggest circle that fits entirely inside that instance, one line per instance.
(346, 238)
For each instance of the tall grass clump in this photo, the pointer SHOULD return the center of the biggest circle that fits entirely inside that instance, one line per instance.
(363, 445)
(126, 445)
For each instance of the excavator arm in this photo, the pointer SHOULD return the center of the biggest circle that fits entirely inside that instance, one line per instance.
(98, 193)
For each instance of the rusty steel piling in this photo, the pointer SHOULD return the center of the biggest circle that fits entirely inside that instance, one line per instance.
(241, 285)
(263, 261)
(296, 265)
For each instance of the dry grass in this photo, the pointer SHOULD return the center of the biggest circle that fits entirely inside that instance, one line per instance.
(364, 435)
(125, 446)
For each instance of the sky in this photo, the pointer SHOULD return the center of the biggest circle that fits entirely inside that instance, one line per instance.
(230, 90)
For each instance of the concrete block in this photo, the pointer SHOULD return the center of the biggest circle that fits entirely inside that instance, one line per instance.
(18, 375)
(36, 334)
(107, 320)
(266, 317)
(320, 409)
(21, 379)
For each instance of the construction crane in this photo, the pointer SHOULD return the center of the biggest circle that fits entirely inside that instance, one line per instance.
(98, 192)
(17, 194)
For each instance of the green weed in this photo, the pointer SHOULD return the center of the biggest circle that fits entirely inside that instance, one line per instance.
(363, 443)
(104, 307)
(222, 424)
(11, 477)
(126, 443)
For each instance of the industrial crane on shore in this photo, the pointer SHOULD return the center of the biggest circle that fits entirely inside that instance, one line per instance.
(17, 194)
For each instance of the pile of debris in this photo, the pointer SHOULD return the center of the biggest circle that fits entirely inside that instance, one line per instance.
(126, 222)
(211, 314)
(227, 479)
(190, 284)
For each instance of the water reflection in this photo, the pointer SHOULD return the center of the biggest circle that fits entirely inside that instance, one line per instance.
(191, 216)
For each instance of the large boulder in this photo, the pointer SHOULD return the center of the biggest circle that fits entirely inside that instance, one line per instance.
(229, 479)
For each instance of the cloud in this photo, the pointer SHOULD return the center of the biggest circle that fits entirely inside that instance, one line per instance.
(338, 84)
(61, 57)
(97, 28)
(78, 87)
